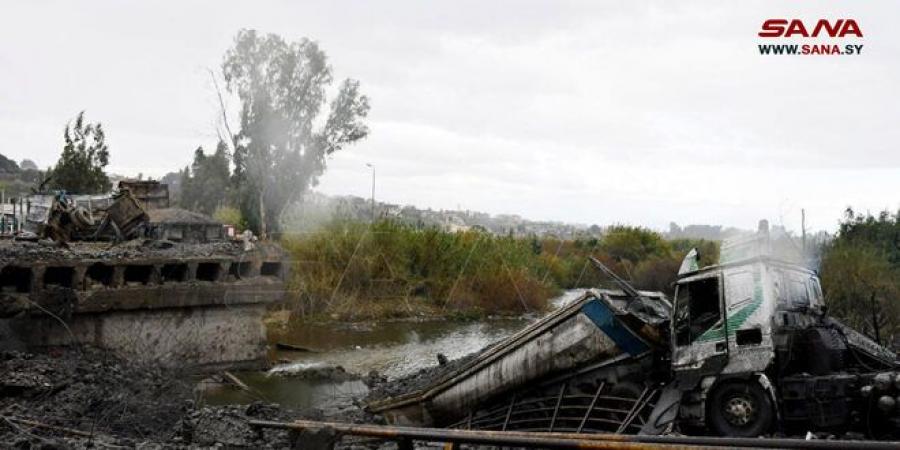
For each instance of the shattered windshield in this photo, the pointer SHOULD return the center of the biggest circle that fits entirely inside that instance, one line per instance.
(697, 309)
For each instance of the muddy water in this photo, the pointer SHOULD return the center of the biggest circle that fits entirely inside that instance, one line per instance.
(393, 349)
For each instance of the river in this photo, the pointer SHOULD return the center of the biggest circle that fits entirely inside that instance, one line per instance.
(392, 348)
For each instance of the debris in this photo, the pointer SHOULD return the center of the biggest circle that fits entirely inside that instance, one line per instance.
(248, 240)
(294, 348)
(236, 381)
(126, 216)
(64, 220)
(84, 396)
(36, 424)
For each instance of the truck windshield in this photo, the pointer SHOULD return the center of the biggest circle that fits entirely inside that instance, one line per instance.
(696, 309)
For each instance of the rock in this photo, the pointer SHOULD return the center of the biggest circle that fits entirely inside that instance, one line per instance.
(321, 439)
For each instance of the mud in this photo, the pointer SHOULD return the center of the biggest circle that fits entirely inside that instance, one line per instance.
(381, 388)
(87, 398)
(87, 389)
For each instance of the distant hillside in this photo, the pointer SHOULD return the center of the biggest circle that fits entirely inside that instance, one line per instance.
(15, 180)
(318, 208)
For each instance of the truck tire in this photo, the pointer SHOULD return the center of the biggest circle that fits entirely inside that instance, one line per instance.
(739, 408)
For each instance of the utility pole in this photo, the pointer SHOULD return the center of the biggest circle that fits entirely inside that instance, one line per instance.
(803, 229)
(372, 166)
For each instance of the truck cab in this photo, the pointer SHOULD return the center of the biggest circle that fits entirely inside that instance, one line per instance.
(751, 344)
(725, 317)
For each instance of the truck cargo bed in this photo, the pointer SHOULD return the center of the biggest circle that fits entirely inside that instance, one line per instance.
(601, 328)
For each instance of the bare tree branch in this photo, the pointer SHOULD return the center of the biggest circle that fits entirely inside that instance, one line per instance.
(232, 136)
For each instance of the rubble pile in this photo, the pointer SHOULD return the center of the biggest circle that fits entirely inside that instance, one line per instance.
(22, 252)
(87, 390)
(87, 398)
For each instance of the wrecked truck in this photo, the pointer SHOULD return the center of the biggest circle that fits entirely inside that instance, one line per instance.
(744, 349)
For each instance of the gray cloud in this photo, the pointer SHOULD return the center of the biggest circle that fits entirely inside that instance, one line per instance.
(580, 111)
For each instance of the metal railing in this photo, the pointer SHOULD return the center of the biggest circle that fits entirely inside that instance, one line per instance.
(406, 435)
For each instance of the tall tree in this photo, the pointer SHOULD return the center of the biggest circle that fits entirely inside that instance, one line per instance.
(281, 148)
(205, 185)
(84, 156)
(861, 273)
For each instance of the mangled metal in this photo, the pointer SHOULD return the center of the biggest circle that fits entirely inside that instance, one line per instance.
(592, 341)
(63, 218)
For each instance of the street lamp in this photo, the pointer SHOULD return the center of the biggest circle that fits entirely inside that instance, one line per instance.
(372, 166)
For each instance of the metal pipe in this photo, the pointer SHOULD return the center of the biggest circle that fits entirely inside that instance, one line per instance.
(572, 440)
(590, 408)
(499, 438)
(626, 286)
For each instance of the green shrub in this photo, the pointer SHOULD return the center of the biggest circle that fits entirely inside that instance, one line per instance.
(355, 270)
(861, 274)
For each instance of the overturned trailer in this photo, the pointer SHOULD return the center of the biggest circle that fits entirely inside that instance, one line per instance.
(579, 358)
(745, 349)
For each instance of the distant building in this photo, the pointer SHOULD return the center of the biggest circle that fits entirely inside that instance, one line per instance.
(181, 225)
(151, 193)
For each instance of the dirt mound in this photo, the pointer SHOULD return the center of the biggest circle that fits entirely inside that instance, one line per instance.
(90, 390)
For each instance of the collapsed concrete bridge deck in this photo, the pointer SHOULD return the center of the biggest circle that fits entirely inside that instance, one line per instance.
(177, 304)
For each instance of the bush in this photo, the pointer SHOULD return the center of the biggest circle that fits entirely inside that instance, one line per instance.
(356, 270)
(861, 274)
(229, 216)
(352, 263)
(633, 243)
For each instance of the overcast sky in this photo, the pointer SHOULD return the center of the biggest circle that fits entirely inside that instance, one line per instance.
(589, 112)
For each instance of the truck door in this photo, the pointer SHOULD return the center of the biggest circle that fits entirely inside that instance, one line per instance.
(698, 326)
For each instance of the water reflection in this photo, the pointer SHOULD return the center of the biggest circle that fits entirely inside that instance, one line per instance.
(394, 349)
(285, 390)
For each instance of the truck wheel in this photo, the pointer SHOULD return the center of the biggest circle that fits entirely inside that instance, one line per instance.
(739, 409)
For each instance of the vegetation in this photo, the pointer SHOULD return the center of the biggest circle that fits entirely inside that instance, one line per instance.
(17, 180)
(205, 186)
(861, 274)
(352, 270)
(230, 216)
(280, 149)
(80, 168)
(7, 165)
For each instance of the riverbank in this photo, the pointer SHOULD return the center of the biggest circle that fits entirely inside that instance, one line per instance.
(346, 271)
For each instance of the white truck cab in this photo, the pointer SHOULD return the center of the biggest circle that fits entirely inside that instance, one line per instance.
(751, 343)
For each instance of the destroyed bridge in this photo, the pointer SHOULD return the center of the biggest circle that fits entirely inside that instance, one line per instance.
(152, 283)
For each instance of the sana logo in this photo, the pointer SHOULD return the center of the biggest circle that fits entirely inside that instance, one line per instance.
(776, 28)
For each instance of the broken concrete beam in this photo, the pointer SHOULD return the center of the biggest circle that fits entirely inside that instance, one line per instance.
(188, 301)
